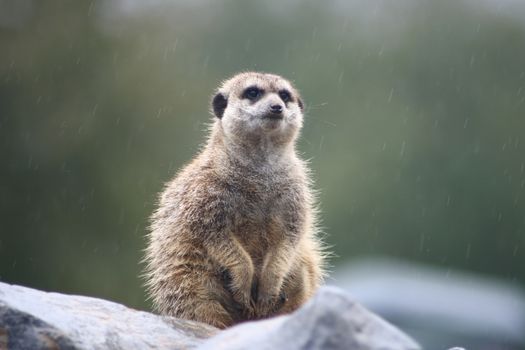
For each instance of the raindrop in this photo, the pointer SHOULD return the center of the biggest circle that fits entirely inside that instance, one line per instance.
(314, 34)
(90, 9)
(345, 24)
(340, 79)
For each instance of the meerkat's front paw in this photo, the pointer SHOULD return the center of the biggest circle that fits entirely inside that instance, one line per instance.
(241, 289)
(283, 298)
(269, 304)
(265, 305)
(242, 297)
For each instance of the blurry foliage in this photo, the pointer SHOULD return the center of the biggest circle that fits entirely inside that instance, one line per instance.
(415, 128)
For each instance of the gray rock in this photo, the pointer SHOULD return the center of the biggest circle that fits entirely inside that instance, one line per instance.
(330, 321)
(31, 319)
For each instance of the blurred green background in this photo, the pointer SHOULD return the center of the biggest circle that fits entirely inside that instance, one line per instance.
(415, 127)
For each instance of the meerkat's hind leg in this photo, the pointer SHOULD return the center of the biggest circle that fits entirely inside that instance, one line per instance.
(200, 296)
(212, 313)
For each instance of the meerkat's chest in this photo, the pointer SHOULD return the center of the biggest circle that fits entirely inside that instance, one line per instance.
(267, 213)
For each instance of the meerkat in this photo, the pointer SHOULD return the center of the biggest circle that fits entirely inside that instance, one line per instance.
(234, 237)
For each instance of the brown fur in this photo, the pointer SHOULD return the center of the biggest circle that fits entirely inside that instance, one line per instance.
(234, 237)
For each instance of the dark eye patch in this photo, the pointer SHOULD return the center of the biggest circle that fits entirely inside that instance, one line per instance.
(252, 93)
(285, 96)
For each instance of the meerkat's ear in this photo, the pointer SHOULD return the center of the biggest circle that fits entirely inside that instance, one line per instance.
(219, 104)
(300, 103)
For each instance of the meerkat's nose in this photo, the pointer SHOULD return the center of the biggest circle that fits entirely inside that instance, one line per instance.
(276, 109)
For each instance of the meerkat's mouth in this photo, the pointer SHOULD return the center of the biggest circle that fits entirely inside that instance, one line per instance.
(273, 116)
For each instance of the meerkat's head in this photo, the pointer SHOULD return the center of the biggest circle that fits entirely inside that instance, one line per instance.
(252, 106)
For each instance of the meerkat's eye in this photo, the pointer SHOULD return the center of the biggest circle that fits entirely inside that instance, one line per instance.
(285, 96)
(252, 93)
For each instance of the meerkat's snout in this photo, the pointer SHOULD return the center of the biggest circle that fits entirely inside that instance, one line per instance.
(275, 110)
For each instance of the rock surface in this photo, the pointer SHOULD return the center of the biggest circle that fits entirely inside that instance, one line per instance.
(32, 319)
(330, 321)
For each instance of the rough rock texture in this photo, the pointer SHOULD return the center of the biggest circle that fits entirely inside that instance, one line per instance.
(31, 319)
(330, 321)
